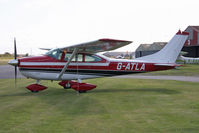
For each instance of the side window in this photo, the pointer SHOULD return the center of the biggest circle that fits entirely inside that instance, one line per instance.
(92, 58)
(78, 57)
(67, 56)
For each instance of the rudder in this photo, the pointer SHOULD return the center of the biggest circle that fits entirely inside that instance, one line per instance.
(170, 52)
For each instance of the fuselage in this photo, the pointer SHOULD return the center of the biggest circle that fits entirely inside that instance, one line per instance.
(83, 66)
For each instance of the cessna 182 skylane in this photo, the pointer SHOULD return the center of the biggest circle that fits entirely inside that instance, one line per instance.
(81, 61)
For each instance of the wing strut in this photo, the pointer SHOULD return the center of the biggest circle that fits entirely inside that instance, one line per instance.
(68, 62)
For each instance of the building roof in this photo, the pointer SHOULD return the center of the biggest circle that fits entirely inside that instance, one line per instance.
(151, 47)
(196, 28)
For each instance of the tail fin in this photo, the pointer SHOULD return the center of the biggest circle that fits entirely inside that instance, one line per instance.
(170, 52)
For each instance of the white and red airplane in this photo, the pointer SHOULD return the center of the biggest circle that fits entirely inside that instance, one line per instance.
(189, 60)
(81, 61)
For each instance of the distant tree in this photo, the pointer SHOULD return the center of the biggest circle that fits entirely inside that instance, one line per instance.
(26, 55)
(7, 53)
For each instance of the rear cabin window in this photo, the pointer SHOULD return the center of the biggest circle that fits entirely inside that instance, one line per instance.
(78, 57)
(92, 58)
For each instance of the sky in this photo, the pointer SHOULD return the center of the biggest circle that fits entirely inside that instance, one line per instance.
(58, 23)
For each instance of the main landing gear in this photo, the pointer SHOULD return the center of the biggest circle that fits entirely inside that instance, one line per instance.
(80, 87)
(66, 84)
(77, 86)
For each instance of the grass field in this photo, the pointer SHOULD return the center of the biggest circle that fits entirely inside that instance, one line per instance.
(4, 60)
(115, 106)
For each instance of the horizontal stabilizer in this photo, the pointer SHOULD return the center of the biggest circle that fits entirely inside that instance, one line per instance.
(164, 64)
(169, 65)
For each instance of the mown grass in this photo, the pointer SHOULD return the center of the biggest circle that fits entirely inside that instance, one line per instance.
(4, 60)
(115, 106)
(186, 70)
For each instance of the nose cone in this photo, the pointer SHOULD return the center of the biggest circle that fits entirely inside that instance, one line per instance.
(13, 62)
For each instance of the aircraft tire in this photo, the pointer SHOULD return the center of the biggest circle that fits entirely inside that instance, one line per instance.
(82, 91)
(34, 91)
(67, 87)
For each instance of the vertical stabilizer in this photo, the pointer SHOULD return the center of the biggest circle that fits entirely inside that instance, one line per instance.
(170, 52)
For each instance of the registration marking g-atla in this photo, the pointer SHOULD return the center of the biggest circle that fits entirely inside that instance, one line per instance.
(81, 61)
(131, 66)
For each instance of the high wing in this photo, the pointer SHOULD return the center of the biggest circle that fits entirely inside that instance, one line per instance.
(100, 45)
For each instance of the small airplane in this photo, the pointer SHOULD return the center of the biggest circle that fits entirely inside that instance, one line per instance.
(189, 60)
(82, 61)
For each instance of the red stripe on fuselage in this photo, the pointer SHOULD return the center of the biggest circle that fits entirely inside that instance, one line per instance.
(101, 65)
(116, 66)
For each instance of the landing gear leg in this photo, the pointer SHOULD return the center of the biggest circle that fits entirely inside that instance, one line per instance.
(79, 80)
(37, 81)
(81, 91)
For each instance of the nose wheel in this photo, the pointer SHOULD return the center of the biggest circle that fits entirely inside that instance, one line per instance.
(34, 91)
(36, 87)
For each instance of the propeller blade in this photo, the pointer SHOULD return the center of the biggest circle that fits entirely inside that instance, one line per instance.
(15, 49)
(15, 75)
(15, 57)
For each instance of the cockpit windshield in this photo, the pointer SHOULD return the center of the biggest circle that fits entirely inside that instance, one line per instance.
(55, 53)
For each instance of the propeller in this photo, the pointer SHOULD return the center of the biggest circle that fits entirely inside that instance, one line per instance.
(15, 61)
(15, 57)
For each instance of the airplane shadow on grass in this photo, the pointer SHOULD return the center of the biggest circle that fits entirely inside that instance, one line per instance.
(156, 90)
(52, 92)
(16, 94)
(42, 93)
